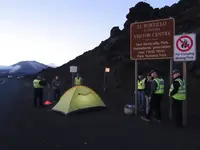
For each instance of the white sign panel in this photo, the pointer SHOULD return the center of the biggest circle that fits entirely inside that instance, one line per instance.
(73, 69)
(185, 47)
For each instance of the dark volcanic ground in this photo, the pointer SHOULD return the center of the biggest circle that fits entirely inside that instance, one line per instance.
(26, 128)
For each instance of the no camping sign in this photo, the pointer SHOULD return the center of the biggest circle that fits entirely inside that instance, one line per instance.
(185, 47)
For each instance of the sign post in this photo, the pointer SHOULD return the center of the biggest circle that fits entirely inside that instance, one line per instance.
(170, 83)
(151, 40)
(185, 50)
(107, 70)
(73, 70)
(136, 87)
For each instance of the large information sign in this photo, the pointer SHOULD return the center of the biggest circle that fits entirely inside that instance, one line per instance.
(152, 39)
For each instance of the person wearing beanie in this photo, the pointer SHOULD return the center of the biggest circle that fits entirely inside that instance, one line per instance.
(177, 92)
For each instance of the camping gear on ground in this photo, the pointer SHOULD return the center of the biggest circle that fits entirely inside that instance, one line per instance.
(129, 109)
(78, 98)
(47, 102)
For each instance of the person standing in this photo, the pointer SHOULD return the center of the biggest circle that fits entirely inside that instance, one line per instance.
(178, 94)
(38, 85)
(148, 83)
(78, 80)
(141, 92)
(56, 89)
(156, 95)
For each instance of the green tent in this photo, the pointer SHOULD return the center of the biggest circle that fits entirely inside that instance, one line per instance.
(77, 98)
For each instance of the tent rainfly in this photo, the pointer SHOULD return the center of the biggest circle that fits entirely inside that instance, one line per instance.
(77, 98)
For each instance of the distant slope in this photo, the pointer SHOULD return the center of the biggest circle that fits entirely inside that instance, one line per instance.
(4, 69)
(28, 67)
(52, 65)
(23, 68)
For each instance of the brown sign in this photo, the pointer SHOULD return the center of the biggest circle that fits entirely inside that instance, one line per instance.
(152, 39)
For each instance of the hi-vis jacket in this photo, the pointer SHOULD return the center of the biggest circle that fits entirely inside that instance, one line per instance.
(141, 84)
(78, 81)
(181, 94)
(160, 85)
(36, 83)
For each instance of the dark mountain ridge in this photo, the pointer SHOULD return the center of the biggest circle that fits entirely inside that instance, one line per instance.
(114, 52)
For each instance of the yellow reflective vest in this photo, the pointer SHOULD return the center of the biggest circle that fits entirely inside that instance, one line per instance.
(36, 83)
(141, 84)
(78, 81)
(160, 85)
(181, 94)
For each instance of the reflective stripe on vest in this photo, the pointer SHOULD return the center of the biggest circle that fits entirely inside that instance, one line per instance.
(36, 84)
(141, 84)
(77, 81)
(181, 94)
(160, 86)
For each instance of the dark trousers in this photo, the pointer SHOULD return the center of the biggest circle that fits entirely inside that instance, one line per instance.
(178, 112)
(38, 96)
(155, 106)
(56, 94)
(141, 98)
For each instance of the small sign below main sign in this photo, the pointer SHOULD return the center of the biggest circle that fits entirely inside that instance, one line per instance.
(73, 69)
(185, 47)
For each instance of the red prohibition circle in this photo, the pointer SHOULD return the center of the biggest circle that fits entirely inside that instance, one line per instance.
(180, 40)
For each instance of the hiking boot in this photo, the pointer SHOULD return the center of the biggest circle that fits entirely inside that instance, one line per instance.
(157, 120)
(141, 109)
(145, 119)
(179, 125)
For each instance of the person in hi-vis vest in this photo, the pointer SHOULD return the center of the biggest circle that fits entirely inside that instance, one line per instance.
(177, 92)
(78, 80)
(156, 95)
(38, 85)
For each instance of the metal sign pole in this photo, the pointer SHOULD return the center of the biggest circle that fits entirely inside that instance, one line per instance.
(170, 83)
(138, 50)
(185, 101)
(136, 86)
(107, 70)
(72, 79)
(188, 47)
(104, 84)
(49, 92)
(49, 95)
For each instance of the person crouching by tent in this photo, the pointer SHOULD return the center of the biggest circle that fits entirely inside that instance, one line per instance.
(141, 92)
(56, 88)
(38, 85)
(78, 80)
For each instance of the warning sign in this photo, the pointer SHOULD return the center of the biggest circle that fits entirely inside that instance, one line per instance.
(185, 47)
